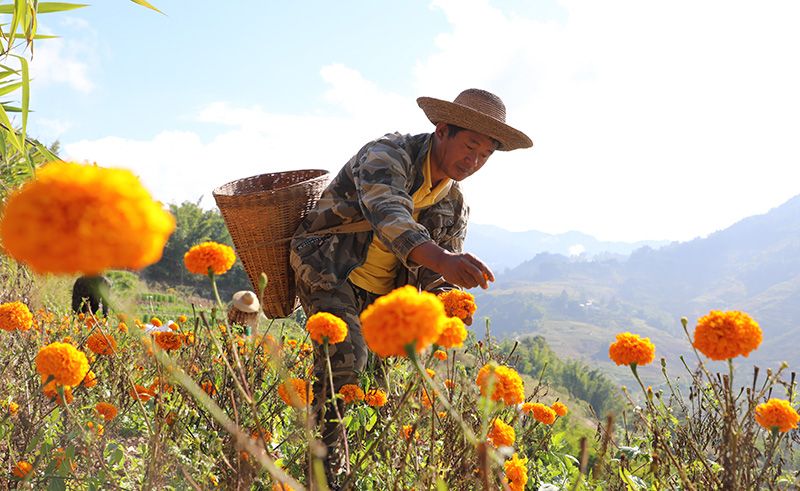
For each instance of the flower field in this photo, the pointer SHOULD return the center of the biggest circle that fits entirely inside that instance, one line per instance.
(130, 401)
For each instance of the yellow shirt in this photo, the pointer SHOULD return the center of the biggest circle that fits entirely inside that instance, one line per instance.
(377, 274)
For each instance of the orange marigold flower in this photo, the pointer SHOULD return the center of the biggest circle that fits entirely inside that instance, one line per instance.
(106, 410)
(430, 372)
(59, 455)
(63, 362)
(375, 398)
(182, 318)
(425, 398)
(142, 393)
(278, 486)
(516, 473)
(541, 413)
(403, 317)
(458, 303)
(15, 316)
(159, 385)
(122, 327)
(777, 414)
(440, 355)
(501, 434)
(168, 340)
(90, 380)
(208, 387)
(101, 343)
(507, 383)
(323, 325)
(261, 434)
(453, 333)
(560, 408)
(156, 321)
(51, 391)
(217, 257)
(352, 393)
(406, 432)
(630, 348)
(75, 218)
(13, 407)
(450, 384)
(97, 428)
(22, 469)
(724, 335)
(294, 393)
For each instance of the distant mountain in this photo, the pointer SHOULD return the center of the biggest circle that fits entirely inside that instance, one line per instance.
(578, 305)
(502, 249)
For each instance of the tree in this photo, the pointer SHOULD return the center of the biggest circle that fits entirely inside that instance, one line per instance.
(194, 225)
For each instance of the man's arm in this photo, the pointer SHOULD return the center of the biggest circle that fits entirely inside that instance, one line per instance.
(462, 269)
(381, 176)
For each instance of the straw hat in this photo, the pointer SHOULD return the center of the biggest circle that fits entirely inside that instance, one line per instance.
(246, 301)
(479, 111)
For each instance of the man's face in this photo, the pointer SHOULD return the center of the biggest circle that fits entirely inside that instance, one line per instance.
(462, 154)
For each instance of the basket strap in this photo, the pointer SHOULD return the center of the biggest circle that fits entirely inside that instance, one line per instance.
(347, 228)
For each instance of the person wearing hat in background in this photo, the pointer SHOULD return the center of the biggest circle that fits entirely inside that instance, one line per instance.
(244, 311)
(394, 215)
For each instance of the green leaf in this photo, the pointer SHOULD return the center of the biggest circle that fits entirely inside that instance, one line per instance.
(56, 484)
(373, 418)
(26, 94)
(626, 478)
(38, 36)
(9, 130)
(10, 87)
(45, 7)
(144, 3)
(50, 7)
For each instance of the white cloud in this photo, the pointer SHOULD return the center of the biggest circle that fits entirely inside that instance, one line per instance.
(58, 62)
(650, 120)
(48, 130)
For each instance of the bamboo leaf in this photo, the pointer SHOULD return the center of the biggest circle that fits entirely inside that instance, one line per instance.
(11, 87)
(37, 36)
(17, 16)
(50, 7)
(45, 7)
(9, 130)
(26, 93)
(145, 3)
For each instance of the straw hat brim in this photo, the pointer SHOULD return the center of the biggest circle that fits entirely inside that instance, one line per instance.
(244, 307)
(438, 111)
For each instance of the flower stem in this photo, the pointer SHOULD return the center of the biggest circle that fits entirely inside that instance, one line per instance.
(336, 406)
(214, 288)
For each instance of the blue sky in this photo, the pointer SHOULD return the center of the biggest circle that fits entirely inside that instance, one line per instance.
(651, 120)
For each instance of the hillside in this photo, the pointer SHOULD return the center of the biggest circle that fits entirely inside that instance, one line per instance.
(503, 250)
(578, 305)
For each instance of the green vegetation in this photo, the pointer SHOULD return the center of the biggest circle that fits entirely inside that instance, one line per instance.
(532, 356)
(194, 225)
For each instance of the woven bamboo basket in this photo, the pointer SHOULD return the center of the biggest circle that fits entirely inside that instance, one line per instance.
(262, 213)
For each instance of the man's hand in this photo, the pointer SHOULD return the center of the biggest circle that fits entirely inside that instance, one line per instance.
(462, 269)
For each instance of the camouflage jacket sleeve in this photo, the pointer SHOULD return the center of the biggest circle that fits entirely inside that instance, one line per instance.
(447, 223)
(382, 177)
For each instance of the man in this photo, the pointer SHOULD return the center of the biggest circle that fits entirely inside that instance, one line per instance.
(89, 294)
(394, 215)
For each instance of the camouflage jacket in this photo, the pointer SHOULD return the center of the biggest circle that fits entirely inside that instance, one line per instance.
(376, 185)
